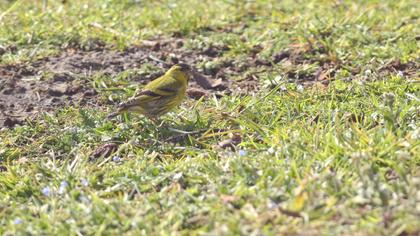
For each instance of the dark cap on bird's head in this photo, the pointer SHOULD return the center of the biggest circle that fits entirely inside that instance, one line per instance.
(184, 67)
(189, 70)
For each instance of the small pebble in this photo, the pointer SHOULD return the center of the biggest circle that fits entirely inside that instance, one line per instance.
(299, 88)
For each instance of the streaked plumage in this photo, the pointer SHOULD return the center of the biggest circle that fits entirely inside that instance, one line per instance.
(160, 95)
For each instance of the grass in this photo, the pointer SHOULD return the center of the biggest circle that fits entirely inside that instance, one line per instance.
(341, 158)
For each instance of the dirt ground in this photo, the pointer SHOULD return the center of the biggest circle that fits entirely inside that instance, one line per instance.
(27, 89)
(30, 88)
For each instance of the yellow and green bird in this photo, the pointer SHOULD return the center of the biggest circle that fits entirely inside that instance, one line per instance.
(160, 95)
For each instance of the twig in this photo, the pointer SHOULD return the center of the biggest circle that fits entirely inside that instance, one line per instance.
(290, 213)
(186, 133)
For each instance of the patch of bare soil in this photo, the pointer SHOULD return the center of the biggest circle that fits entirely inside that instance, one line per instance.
(23, 94)
(29, 88)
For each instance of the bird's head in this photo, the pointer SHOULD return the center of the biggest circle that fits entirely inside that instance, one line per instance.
(181, 71)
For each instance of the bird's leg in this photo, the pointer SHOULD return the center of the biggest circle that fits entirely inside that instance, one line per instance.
(156, 121)
(162, 124)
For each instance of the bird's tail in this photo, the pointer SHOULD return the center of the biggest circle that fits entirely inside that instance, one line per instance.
(122, 107)
(119, 111)
(112, 115)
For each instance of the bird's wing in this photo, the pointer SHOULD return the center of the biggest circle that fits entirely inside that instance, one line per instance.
(143, 97)
(166, 85)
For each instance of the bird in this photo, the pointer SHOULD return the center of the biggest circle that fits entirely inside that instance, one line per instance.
(160, 95)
